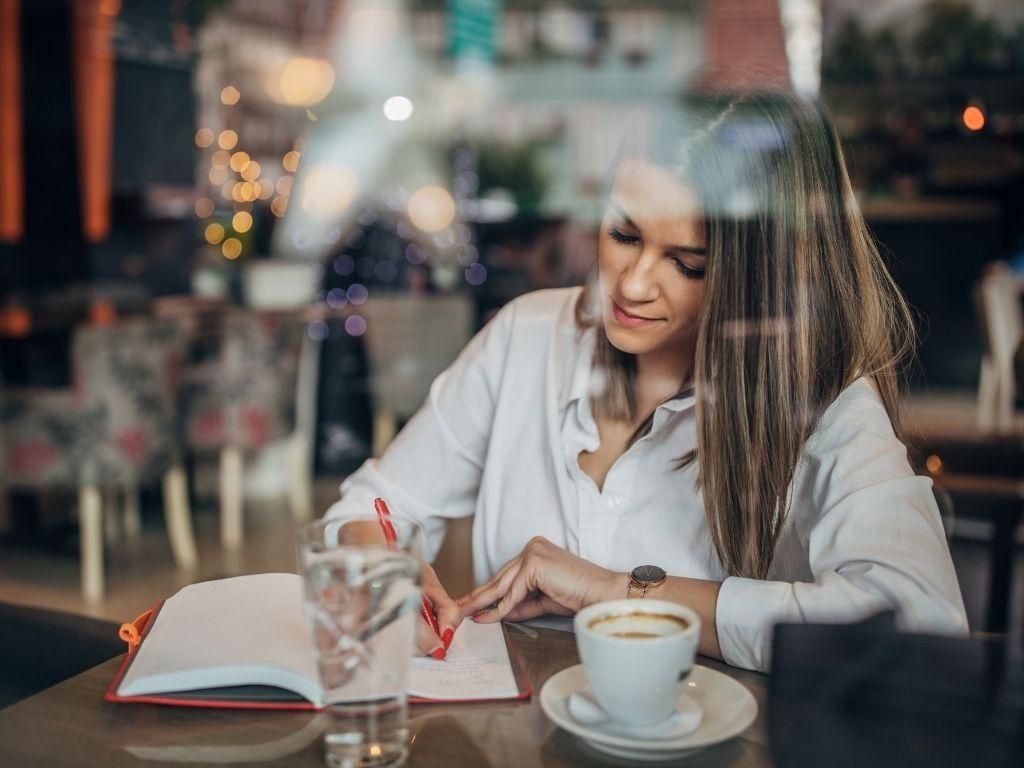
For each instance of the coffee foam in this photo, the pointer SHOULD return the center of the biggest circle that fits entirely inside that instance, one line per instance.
(638, 625)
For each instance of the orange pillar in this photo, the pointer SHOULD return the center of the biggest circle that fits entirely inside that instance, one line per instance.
(93, 58)
(12, 190)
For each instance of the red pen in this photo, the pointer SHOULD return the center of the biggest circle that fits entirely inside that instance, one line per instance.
(383, 513)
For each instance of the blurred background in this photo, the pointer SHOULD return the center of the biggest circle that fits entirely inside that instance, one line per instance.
(239, 238)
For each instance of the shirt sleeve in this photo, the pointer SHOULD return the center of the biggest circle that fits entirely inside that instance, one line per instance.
(874, 541)
(431, 471)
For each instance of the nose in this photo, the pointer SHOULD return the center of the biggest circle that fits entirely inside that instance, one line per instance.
(637, 282)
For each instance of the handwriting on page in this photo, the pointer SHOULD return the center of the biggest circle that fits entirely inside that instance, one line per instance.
(477, 667)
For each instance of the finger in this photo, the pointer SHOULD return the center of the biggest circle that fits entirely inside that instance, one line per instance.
(427, 641)
(473, 598)
(492, 591)
(530, 608)
(449, 615)
(539, 605)
(517, 592)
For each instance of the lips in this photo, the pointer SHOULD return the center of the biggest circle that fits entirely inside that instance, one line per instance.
(630, 320)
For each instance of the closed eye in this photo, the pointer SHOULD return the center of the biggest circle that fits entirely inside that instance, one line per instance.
(619, 236)
(688, 272)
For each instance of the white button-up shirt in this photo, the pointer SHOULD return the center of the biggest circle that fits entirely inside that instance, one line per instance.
(500, 435)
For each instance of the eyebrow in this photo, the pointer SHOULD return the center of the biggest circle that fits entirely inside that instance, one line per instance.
(694, 249)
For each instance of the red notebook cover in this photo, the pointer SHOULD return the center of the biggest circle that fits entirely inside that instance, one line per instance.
(134, 634)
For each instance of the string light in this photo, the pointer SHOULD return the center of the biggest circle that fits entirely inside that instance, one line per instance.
(290, 161)
(204, 137)
(232, 248)
(251, 171)
(227, 139)
(239, 160)
(242, 221)
(204, 207)
(214, 233)
(278, 206)
(229, 95)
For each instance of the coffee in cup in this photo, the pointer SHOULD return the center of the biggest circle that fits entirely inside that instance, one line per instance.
(637, 653)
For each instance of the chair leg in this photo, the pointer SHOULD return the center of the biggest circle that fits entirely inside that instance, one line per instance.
(90, 516)
(178, 518)
(231, 498)
(300, 491)
(111, 523)
(132, 517)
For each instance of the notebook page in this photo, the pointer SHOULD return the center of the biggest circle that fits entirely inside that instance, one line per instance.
(248, 630)
(478, 667)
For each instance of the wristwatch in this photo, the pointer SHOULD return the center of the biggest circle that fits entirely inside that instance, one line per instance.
(643, 578)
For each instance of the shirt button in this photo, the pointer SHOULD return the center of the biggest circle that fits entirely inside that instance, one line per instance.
(614, 501)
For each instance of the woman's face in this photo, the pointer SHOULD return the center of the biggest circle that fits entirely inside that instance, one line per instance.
(651, 259)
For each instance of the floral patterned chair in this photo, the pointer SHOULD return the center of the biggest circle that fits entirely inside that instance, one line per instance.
(112, 431)
(242, 400)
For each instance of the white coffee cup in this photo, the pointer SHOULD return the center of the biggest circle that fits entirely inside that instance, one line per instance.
(637, 653)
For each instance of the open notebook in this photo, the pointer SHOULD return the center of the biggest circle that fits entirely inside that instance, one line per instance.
(244, 642)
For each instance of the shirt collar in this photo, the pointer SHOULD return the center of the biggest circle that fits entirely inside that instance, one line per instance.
(579, 363)
(577, 385)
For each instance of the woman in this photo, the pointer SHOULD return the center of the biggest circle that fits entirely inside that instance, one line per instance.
(721, 404)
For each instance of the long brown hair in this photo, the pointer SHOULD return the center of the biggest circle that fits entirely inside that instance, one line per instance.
(798, 304)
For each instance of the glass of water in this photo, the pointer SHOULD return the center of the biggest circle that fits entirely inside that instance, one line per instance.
(362, 598)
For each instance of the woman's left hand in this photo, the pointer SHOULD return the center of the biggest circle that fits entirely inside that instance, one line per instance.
(543, 578)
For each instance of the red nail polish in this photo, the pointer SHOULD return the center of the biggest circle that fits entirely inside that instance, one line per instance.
(447, 639)
(438, 653)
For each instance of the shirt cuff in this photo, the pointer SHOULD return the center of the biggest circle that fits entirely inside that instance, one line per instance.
(745, 616)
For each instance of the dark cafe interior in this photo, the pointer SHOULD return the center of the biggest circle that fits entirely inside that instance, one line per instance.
(561, 382)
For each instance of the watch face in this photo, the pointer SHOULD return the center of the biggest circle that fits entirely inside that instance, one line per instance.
(647, 574)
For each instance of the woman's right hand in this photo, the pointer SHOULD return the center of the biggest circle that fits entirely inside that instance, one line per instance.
(449, 617)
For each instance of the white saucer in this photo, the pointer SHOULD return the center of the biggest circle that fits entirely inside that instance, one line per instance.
(729, 709)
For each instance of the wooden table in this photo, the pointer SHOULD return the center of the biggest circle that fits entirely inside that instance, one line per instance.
(71, 725)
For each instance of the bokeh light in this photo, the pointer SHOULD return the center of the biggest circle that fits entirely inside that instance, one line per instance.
(251, 171)
(218, 176)
(336, 298)
(284, 185)
(227, 139)
(290, 161)
(431, 208)
(214, 233)
(278, 206)
(239, 160)
(476, 274)
(266, 188)
(204, 137)
(220, 158)
(318, 330)
(344, 265)
(933, 464)
(355, 325)
(328, 189)
(357, 294)
(232, 248)
(229, 95)
(974, 118)
(204, 207)
(242, 221)
(398, 108)
(305, 82)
